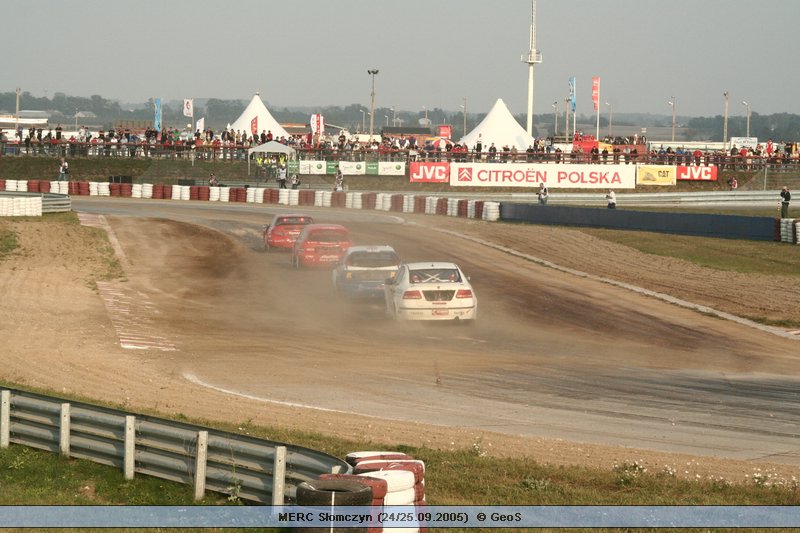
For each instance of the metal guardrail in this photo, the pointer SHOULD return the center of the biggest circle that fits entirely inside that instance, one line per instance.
(51, 202)
(246, 467)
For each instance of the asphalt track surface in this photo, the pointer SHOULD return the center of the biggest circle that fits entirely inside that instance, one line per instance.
(552, 355)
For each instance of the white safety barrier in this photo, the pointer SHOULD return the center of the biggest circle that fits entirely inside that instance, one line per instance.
(491, 211)
(788, 231)
(147, 190)
(103, 188)
(55, 187)
(136, 190)
(327, 198)
(30, 206)
(22, 185)
(471, 209)
(258, 195)
(186, 192)
(452, 207)
(93, 188)
(349, 198)
(175, 192)
(213, 194)
(11, 185)
(283, 196)
(797, 232)
(294, 196)
(430, 205)
(408, 203)
(63, 187)
(383, 201)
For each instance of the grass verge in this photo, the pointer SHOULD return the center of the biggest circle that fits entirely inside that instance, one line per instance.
(8, 240)
(752, 257)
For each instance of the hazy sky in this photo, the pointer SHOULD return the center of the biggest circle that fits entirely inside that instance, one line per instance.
(430, 53)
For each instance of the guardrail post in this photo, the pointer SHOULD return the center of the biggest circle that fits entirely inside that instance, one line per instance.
(5, 418)
(279, 475)
(200, 465)
(64, 430)
(130, 446)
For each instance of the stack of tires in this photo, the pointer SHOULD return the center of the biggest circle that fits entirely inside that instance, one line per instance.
(491, 211)
(788, 232)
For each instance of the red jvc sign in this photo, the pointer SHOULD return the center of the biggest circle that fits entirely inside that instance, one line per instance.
(429, 172)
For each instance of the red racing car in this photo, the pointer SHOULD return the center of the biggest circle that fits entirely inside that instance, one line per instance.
(284, 230)
(321, 245)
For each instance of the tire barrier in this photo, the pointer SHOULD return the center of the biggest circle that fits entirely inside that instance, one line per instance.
(356, 457)
(400, 203)
(29, 206)
(2, 185)
(787, 228)
(491, 211)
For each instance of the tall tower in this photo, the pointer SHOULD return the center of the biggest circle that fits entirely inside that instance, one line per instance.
(531, 58)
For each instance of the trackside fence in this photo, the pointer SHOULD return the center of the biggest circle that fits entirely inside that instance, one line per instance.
(245, 467)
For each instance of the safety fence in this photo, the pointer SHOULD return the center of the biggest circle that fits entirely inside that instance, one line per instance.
(237, 465)
(239, 152)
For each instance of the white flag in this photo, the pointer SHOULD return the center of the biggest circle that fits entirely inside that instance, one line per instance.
(201, 124)
(188, 107)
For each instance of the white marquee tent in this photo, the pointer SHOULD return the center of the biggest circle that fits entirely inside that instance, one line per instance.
(257, 118)
(501, 128)
(271, 147)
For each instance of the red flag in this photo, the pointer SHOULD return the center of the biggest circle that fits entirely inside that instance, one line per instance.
(254, 125)
(596, 92)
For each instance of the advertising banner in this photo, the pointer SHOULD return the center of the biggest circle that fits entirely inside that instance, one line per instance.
(353, 168)
(317, 123)
(188, 107)
(372, 168)
(572, 93)
(254, 125)
(532, 174)
(697, 173)
(392, 168)
(444, 130)
(293, 167)
(596, 92)
(656, 174)
(429, 172)
(313, 167)
(744, 142)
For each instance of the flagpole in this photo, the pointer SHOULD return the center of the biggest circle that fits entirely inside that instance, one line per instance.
(191, 135)
(597, 111)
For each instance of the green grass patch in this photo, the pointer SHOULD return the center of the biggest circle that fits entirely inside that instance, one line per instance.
(753, 257)
(8, 241)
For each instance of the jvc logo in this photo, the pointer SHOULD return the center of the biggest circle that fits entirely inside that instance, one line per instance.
(431, 172)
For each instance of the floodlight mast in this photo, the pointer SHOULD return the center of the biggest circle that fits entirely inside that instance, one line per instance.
(372, 72)
(531, 58)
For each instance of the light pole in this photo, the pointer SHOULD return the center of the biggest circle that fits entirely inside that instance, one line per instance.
(363, 119)
(531, 58)
(394, 116)
(566, 118)
(610, 118)
(16, 123)
(748, 117)
(387, 120)
(464, 106)
(555, 119)
(672, 103)
(725, 123)
(372, 72)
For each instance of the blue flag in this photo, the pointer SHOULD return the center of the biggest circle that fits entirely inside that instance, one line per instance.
(157, 118)
(572, 92)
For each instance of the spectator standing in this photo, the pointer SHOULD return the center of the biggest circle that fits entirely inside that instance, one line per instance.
(612, 199)
(282, 177)
(63, 170)
(786, 196)
(295, 181)
(542, 194)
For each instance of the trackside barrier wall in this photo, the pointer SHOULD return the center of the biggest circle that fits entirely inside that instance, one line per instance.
(233, 464)
(34, 203)
(703, 225)
(788, 230)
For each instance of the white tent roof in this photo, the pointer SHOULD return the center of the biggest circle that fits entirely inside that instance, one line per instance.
(272, 147)
(256, 118)
(501, 128)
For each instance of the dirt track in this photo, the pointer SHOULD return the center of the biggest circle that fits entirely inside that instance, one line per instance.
(560, 368)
